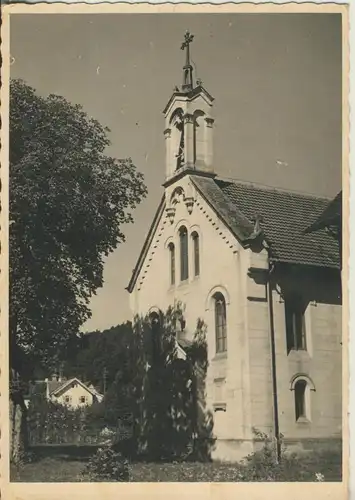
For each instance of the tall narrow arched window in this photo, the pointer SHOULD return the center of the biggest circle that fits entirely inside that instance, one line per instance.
(172, 263)
(300, 399)
(184, 256)
(220, 322)
(196, 249)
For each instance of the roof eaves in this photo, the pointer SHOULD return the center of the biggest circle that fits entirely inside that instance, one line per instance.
(70, 381)
(61, 387)
(146, 244)
(241, 236)
(298, 262)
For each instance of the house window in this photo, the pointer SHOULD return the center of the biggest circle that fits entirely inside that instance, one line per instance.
(172, 263)
(300, 399)
(295, 323)
(220, 322)
(67, 399)
(184, 260)
(196, 247)
(83, 399)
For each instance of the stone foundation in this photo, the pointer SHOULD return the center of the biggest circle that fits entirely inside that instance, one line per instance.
(232, 450)
(307, 445)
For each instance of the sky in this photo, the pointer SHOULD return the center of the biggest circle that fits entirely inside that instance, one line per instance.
(276, 80)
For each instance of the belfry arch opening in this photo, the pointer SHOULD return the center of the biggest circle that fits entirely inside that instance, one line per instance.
(177, 139)
(199, 137)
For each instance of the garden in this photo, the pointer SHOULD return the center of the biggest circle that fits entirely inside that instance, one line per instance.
(108, 465)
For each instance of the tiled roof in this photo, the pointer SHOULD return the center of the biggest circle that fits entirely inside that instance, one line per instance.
(39, 387)
(285, 217)
(53, 385)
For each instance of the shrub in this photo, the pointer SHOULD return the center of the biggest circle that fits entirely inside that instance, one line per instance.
(106, 465)
(263, 465)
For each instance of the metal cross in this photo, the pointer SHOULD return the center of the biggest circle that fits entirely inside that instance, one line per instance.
(187, 41)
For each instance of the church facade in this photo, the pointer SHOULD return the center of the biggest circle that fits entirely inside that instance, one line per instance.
(239, 257)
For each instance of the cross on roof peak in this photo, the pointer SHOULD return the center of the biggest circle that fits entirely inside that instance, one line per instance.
(188, 39)
(187, 80)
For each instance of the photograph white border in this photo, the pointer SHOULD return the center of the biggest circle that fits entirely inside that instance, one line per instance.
(174, 491)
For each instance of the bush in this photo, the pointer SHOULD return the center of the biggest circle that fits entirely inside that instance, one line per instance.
(263, 465)
(106, 465)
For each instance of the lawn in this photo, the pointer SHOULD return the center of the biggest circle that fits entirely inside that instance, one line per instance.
(59, 470)
(69, 470)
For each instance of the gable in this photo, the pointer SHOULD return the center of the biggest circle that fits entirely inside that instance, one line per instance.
(164, 224)
(68, 385)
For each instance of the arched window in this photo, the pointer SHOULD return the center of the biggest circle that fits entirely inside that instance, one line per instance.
(172, 263)
(184, 258)
(300, 399)
(196, 247)
(220, 322)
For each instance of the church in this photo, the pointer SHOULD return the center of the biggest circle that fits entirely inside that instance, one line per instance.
(246, 260)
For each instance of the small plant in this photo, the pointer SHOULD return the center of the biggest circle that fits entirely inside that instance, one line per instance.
(107, 465)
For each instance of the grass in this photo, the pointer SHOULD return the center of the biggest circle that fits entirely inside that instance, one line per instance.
(51, 469)
(48, 470)
(59, 470)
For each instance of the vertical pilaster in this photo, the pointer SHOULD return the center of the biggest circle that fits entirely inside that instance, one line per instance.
(168, 152)
(209, 143)
(189, 140)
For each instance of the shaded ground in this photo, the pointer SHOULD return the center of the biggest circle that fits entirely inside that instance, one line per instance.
(68, 470)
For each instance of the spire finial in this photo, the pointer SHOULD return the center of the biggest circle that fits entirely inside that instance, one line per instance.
(187, 81)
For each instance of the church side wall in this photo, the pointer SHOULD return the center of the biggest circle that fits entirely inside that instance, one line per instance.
(321, 363)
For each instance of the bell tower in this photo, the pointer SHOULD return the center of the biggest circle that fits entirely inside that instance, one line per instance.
(189, 125)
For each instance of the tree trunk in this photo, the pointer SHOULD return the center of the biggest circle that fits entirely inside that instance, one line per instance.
(18, 419)
(18, 442)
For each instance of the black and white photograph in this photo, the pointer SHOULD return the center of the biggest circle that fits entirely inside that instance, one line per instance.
(176, 184)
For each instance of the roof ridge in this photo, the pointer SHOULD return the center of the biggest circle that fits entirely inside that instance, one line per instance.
(258, 185)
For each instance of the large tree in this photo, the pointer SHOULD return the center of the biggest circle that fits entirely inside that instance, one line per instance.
(68, 202)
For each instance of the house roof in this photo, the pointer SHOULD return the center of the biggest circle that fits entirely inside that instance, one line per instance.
(67, 383)
(190, 95)
(285, 217)
(39, 387)
(331, 216)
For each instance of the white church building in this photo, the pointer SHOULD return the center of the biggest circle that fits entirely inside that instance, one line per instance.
(239, 256)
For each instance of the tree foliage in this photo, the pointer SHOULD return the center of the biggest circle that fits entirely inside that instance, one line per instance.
(68, 202)
(162, 389)
(99, 355)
